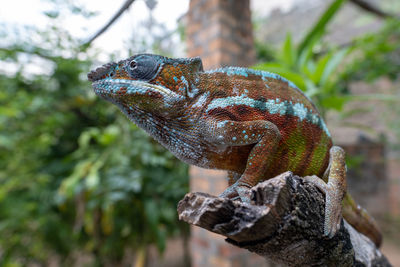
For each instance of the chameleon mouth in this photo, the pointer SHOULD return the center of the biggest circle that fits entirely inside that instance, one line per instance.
(117, 87)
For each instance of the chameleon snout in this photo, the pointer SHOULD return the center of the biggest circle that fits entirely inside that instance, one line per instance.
(100, 72)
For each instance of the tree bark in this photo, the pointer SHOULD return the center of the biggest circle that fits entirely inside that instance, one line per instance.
(284, 223)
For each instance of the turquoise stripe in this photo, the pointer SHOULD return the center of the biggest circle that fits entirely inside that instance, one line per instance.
(273, 106)
(245, 72)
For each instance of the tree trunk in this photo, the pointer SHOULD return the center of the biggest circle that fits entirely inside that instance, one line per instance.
(284, 224)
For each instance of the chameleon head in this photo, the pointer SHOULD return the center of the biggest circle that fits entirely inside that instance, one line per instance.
(147, 82)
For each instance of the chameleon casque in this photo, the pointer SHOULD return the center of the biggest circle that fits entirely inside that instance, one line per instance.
(253, 124)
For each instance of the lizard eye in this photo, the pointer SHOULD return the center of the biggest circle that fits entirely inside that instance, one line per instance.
(132, 65)
(143, 67)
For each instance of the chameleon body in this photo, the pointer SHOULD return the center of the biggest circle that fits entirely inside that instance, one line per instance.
(253, 124)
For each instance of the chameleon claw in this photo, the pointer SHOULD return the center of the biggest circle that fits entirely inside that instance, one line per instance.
(237, 191)
(244, 195)
(236, 198)
(229, 192)
(244, 192)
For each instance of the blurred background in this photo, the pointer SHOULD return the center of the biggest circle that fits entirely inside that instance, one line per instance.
(82, 186)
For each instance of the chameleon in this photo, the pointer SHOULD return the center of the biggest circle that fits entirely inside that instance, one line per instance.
(253, 124)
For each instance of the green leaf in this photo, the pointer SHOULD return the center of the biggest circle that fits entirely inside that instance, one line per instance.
(161, 239)
(331, 65)
(152, 214)
(87, 135)
(8, 111)
(93, 177)
(110, 135)
(334, 102)
(311, 88)
(320, 68)
(70, 184)
(309, 69)
(288, 54)
(319, 28)
(269, 65)
(304, 58)
(285, 72)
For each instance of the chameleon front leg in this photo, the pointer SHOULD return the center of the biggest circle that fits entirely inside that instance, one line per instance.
(232, 178)
(334, 190)
(264, 135)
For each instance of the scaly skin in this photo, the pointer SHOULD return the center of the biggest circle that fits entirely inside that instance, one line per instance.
(253, 124)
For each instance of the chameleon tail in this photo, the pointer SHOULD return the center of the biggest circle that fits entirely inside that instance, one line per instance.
(361, 220)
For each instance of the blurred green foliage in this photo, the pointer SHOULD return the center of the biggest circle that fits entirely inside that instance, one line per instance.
(76, 176)
(324, 72)
(375, 55)
(310, 71)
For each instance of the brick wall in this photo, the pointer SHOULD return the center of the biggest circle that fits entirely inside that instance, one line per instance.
(220, 32)
(367, 175)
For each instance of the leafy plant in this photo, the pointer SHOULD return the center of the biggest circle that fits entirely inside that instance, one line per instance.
(325, 75)
(377, 55)
(310, 71)
(77, 178)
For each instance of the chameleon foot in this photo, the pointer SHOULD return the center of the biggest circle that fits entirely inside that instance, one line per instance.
(333, 206)
(334, 190)
(237, 191)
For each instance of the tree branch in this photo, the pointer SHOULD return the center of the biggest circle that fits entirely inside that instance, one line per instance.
(284, 224)
(124, 7)
(372, 9)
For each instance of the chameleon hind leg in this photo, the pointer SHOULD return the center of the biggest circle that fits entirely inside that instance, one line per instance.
(265, 136)
(334, 190)
(232, 178)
